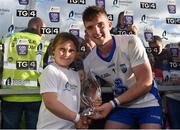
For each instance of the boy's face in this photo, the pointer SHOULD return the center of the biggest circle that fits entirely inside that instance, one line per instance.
(158, 45)
(65, 53)
(98, 29)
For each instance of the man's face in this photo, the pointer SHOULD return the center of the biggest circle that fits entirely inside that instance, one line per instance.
(98, 29)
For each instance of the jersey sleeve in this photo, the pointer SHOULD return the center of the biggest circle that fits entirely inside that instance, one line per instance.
(48, 81)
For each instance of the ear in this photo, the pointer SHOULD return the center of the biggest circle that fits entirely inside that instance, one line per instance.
(86, 34)
(110, 24)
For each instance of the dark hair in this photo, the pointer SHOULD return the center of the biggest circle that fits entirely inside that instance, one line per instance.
(34, 21)
(118, 20)
(156, 38)
(63, 37)
(92, 12)
(35, 24)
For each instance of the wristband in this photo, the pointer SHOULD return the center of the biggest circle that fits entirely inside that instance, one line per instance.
(112, 103)
(77, 118)
(115, 102)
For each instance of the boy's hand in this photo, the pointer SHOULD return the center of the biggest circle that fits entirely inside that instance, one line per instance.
(83, 123)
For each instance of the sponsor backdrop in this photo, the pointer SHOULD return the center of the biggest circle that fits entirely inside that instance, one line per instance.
(152, 17)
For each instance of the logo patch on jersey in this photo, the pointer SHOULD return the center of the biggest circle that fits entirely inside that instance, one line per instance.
(123, 68)
(22, 49)
(69, 87)
(15, 82)
(8, 81)
(111, 65)
(25, 65)
(22, 46)
(39, 49)
(119, 87)
(105, 75)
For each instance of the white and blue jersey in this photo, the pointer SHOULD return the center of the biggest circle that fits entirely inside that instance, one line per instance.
(127, 53)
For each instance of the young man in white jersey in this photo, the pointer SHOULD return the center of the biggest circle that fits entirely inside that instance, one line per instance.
(123, 62)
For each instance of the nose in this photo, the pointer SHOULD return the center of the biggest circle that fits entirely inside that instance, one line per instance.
(67, 53)
(96, 29)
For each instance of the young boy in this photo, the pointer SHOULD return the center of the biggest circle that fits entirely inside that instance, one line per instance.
(60, 88)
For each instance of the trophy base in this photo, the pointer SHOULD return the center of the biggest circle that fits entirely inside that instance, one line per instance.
(87, 112)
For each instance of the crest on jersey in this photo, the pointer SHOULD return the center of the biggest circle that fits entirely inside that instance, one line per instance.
(123, 68)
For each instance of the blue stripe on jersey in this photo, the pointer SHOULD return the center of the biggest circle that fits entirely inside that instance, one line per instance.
(108, 58)
(154, 91)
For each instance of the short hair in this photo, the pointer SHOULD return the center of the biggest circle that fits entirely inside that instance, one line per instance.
(92, 12)
(156, 38)
(35, 24)
(35, 21)
(63, 37)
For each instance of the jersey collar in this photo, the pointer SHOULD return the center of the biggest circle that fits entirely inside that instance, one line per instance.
(108, 58)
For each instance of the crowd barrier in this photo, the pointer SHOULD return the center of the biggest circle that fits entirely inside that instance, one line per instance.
(161, 88)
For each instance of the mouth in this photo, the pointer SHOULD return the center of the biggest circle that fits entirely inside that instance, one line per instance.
(98, 36)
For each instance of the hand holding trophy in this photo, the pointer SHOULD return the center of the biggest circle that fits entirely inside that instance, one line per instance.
(90, 95)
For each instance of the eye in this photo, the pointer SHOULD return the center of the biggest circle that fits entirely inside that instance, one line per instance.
(101, 25)
(61, 50)
(89, 27)
(72, 50)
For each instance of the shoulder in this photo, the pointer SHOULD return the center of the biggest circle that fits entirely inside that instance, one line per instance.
(74, 73)
(27, 35)
(126, 39)
(90, 57)
(50, 69)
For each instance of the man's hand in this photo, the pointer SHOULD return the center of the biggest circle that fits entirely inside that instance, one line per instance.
(102, 111)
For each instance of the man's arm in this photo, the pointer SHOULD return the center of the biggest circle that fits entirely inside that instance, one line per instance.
(142, 85)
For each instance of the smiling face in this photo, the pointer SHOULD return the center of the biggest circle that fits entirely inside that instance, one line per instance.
(98, 29)
(65, 53)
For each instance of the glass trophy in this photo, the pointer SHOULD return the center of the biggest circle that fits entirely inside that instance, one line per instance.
(90, 95)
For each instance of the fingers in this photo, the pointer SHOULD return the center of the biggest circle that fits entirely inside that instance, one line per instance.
(86, 120)
(97, 102)
(96, 116)
(89, 121)
(83, 123)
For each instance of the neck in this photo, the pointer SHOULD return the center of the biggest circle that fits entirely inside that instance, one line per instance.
(106, 49)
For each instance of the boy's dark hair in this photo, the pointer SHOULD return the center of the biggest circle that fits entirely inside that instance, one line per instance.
(63, 37)
(92, 12)
(156, 38)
